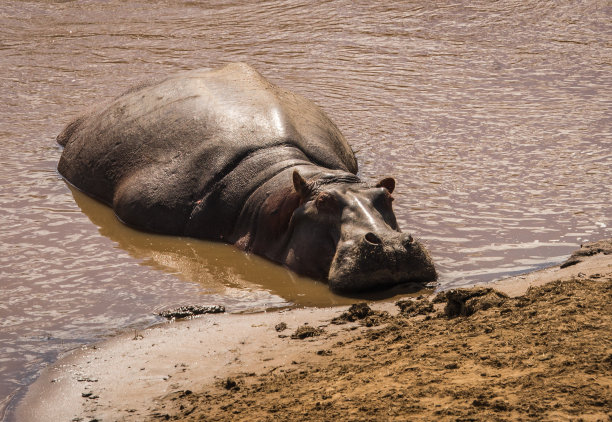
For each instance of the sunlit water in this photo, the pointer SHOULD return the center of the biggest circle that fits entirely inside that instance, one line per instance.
(495, 120)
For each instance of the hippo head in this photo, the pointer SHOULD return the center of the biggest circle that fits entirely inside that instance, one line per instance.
(346, 233)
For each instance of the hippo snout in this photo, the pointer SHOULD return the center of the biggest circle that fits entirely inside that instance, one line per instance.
(375, 261)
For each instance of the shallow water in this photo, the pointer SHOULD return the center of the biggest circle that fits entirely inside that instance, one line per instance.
(495, 120)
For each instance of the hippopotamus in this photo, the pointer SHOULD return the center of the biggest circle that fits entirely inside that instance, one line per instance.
(223, 154)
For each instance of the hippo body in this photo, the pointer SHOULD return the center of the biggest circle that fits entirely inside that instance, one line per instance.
(225, 155)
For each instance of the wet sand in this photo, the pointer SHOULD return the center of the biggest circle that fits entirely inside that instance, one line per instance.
(538, 347)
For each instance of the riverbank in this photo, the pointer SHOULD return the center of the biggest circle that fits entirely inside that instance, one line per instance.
(517, 352)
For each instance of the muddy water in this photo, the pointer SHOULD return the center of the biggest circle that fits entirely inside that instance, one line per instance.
(494, 118)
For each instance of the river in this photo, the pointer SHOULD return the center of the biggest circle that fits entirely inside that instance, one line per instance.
(495, 118)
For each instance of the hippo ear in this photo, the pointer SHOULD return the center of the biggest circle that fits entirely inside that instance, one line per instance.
(300, 185)
(387, 183)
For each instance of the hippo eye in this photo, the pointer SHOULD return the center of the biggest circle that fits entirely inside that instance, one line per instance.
(326, 202)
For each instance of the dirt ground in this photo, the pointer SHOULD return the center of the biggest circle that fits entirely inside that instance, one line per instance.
(472, 355)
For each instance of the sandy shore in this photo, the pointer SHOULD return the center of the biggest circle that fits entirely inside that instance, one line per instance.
(514, 353)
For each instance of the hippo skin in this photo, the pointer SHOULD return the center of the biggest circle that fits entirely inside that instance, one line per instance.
(225, 155)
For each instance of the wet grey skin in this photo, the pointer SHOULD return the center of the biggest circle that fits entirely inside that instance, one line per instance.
(225, 155)
(364, 246)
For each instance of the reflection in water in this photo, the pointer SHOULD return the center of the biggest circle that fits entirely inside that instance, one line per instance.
(218, 268)
(494, 117)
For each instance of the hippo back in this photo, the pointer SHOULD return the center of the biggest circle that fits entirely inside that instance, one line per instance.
(152, 152)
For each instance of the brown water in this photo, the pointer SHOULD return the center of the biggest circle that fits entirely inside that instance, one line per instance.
(495, 118)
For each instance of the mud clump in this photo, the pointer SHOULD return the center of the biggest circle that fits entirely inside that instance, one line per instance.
(363, 313)
(414, 307)
(230, 384)
(460, 302)
(357, 311)
(589, 249)
(306, 331)
(189, 311)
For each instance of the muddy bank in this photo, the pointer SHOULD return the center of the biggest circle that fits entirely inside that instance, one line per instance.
(546, 355)
(474, 355)
(480, 354)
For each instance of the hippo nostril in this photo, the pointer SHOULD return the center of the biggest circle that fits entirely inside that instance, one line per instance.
(372, 238)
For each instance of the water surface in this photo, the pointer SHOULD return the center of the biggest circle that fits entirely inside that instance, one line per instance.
(495, 119)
